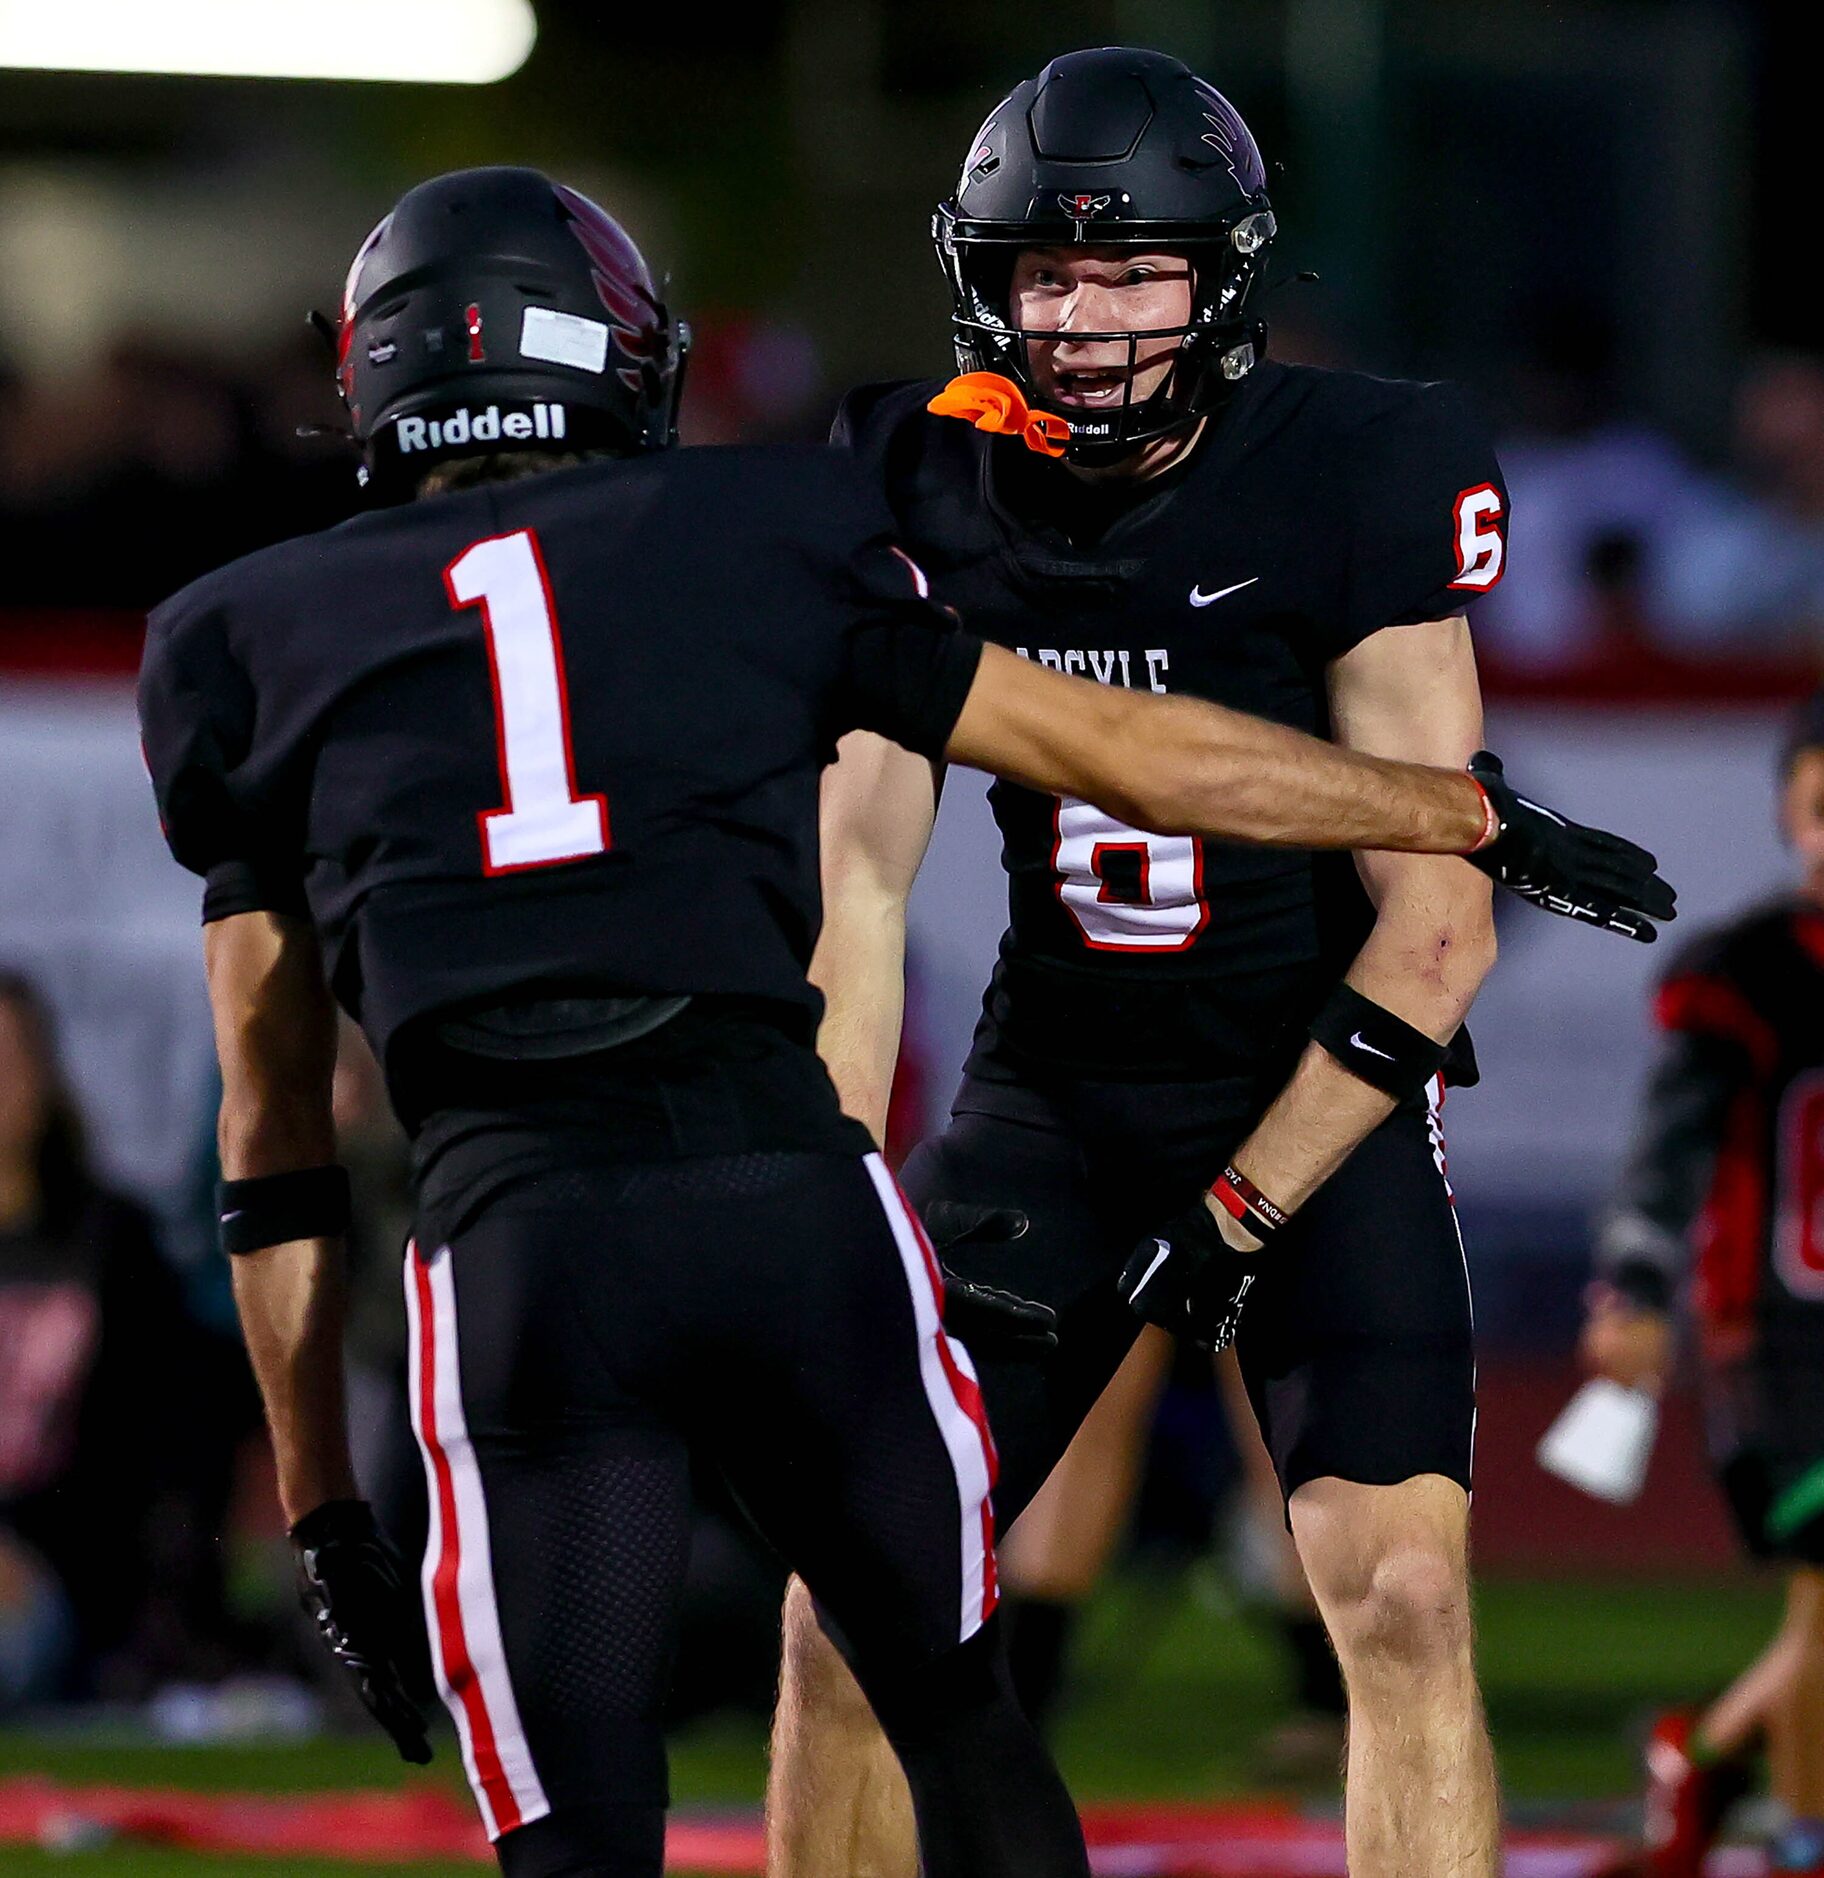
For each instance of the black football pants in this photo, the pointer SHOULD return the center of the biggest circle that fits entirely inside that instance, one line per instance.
(777, 1314)
(1356, 1346)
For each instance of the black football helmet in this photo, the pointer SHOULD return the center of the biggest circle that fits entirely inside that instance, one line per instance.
(496, 309)
(1114, 147)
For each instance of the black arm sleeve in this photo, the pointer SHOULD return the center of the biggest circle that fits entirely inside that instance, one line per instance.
(910, 663)
(1644, 1235)
(196, 718)
(1427, 514)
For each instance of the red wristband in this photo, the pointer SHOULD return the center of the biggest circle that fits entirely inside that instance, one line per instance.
(1244, 1202)
(1491, 820)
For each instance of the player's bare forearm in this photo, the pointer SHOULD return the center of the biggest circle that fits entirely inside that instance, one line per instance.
(878, 805)
(1178, 765)
(1424, 960)
(860, 967)
(1409, 690)
(291, 1301)
(275, 1040)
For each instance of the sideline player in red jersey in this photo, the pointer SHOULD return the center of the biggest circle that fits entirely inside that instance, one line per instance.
(1726, 1183)
(1122, 485)
(523, 771)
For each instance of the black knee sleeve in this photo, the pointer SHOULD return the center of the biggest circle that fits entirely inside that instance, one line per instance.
(613, 1840)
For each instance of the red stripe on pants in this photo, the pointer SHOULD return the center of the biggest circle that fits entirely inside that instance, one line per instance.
(452, 1640)
(969, 1399)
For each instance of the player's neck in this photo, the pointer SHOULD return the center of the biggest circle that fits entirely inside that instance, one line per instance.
(1811, 886)
(1151, 459)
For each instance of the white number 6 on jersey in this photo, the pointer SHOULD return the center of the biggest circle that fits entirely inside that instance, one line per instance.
(1129, 891)
(1481, 551)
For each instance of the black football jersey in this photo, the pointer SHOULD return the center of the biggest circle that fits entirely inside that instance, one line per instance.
(562, 733)
(1320, 507)
(1743, 1007)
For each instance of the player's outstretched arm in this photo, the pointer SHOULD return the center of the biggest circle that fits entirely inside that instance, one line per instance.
(1182, 766)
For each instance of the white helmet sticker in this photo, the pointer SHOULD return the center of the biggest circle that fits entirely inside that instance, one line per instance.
(563, 339)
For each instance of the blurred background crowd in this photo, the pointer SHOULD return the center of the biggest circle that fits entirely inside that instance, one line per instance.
(1591, 212)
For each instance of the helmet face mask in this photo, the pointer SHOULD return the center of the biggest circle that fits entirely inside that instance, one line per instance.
(493, 309)
(1113, 149)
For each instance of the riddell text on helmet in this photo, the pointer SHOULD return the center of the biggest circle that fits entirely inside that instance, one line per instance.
(490, 426)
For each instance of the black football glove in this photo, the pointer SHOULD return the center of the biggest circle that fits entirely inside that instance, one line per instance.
(1188, 1279)
(984, 1316)
(352, 1582)
(1582, 873)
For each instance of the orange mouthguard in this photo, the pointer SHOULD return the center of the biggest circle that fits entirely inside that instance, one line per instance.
(993, 403)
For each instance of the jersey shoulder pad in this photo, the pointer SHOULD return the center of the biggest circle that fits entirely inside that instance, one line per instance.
(789, 491)
(196, 713)
(1712, 953)
(1725, 984)
(197, 725)
(871, 415)
(1422, 503)
(1734, 950)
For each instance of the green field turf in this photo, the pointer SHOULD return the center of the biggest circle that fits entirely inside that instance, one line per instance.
(1172, 1691)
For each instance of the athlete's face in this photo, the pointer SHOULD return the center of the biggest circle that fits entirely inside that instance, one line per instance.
(1100, 290)
(1802, 810)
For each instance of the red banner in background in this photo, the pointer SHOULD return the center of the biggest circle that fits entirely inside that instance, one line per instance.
(85, 643)
(76, 644)
(1528, 1523)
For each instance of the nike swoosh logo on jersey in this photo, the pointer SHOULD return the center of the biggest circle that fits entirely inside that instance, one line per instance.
(1358, 1043)
(1200, 598)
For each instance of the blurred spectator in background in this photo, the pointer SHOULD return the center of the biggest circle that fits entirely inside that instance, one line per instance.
(754, 379)
(1598, 498)
(1726, 1183)
(93, 1344)
(121, 483)
(1743, 568)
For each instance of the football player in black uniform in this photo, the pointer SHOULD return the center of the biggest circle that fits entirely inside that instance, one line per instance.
(1136, 494)
(1727, 1177)
(524, 774)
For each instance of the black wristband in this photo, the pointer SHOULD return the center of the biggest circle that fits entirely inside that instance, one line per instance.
(1370, 1042)
(273, 1208)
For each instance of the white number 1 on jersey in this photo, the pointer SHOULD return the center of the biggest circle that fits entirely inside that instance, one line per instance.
(545, 821)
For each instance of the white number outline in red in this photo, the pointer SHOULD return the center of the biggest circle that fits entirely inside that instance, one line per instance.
(1176, 942)
(1481, 553)
(498, 825)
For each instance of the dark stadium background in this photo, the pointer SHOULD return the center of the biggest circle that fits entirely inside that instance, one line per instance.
(1597, 216)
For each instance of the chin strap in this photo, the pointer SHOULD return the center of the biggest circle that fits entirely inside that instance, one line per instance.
(993, 403)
